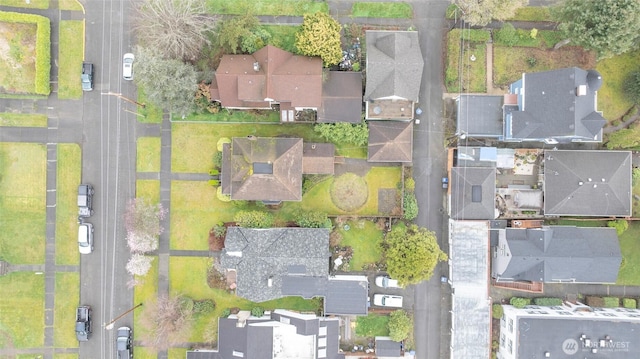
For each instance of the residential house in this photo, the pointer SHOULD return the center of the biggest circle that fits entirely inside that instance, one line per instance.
(390, 141)
(557, 106)
(394, 74)
(281, 334)
(385, 348)
(469, 279)
(341, 97)
(556, 254)
(473, 192)
(569, 331)
(273, 263)
(268, 77)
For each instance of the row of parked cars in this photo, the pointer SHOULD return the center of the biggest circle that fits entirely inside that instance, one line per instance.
(85, 210)
(86, 78)
(387, 300)
(124, 349)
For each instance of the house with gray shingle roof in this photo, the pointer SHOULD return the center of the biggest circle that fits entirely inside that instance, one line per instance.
(281, 334)
(394, 74)
(556, 254)
(587, 183)
(473, 192)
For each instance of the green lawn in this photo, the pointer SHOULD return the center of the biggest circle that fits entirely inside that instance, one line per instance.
(67, 297)
(33, 4)
(18, 67)
(283, 36)
(364, 237)
(532, 13)
(510, 62)
(146, 353)
(234, 116)
(382, 9)
(23, 119)
(372, 325)
(70, 55)
(470, 76)
(149, 189)
(64, 356)
(611, 97)
(22, 310)
(176, 353)
(145, 291)
(150, 113)
(23, 202)
(73, 5)
(68, 178)
(630, 247)
(195, 209)
(148, 154)
(267, 7)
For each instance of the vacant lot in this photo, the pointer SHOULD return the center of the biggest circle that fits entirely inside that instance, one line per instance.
(17, 57)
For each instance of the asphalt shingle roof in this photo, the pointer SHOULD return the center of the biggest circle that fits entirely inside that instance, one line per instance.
(390, 141)
(473, 191)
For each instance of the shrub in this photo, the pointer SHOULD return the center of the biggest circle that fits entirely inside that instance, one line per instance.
(629, 303)
(186, 303)
(254, 219)
(410, 206)
(344, 132)
(611, 302)
(226, 312)
(632, 86)
(222, 197)
(221, 143)
(497, 311)
(621, 225)
(519, 302)
(409, 184)
(313, 219)
(596, 302)
(204, 307)
(217, 159)
(257, 311)
(547, 302)
(507, 35)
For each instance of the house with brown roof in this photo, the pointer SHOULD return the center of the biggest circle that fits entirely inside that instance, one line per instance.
(390, 141)
(270, 169)
(267, 77)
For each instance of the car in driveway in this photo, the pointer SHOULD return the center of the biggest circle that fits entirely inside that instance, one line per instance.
(384, 281)
(85, 238)
(386, 300)
(123, 343)
(127, 66)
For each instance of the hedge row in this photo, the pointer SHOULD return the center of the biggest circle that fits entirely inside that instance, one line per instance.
(612, 302)
(43, 46)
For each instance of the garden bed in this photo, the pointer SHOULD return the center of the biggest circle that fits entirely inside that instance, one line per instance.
(466, 72)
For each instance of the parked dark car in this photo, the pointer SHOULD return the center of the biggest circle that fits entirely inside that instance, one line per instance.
(83, 323)
(87, 76)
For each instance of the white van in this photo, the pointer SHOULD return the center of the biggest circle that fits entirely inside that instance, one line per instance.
(85, 238)
(384, 300)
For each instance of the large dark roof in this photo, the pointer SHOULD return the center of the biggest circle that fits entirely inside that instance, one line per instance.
(282, 155)
(341, 97)
(561, 337)
(394, 65)
(300, 254)
(346, 295)
(479, 115)
(390, 141)
(558, 104)
(562, 253)
(385, 347)
(587, 183)
(473, 192)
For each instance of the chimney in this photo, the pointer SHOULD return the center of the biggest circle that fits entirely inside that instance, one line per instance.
(581, 90)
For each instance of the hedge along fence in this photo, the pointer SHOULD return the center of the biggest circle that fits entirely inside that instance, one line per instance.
(43, 46)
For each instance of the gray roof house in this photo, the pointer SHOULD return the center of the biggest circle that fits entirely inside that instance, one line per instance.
(387, 348)
(557, 254)
(280, 334)
(479, 116)
(587, 183)
(390, 141)
(394, 74)
(554, 106)
(341, 97)
(473, 192)
(277, 262)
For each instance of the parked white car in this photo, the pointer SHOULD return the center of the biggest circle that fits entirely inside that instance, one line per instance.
(85, 238)
(384, 281)
(127, 66)
(384, 300)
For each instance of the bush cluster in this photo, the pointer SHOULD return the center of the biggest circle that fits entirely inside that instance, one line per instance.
(254, 219)
(547, 302)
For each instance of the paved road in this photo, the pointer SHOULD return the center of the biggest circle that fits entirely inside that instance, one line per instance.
(108, 162)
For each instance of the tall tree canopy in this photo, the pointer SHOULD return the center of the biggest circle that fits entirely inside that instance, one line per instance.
(411, 253)
(481, 12)
(170, 84)
(174, 29)
(319, 35)
(610, 27)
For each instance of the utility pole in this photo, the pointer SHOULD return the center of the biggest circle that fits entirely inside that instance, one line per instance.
(109, 325)
(119, 95)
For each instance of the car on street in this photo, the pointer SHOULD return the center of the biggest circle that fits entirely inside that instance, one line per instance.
(127, 66)
(384, 281)
(123, 343)
(83, 323)
(85, 238)
(385, 300)
(87, 76)
(85, 201)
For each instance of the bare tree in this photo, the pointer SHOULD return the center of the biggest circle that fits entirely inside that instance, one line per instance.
(166, 322)
(174, 29)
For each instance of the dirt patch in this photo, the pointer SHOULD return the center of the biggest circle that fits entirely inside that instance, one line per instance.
(388, 201)
(349, 192)
(17, 57)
